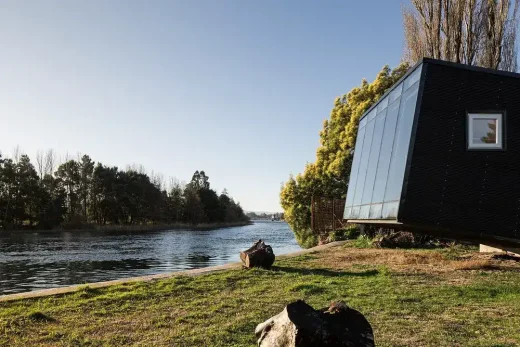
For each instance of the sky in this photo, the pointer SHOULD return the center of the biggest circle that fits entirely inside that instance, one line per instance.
(237, 88)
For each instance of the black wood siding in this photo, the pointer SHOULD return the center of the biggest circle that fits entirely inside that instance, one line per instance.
(448, 187)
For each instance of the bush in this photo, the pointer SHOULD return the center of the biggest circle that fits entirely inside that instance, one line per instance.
(351, 232)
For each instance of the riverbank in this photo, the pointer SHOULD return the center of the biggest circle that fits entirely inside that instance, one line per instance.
(136, 228)
(411, 297)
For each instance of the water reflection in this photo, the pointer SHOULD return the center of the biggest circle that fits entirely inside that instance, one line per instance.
(30, 261)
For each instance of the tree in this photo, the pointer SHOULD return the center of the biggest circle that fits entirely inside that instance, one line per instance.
(328, 175)
(86, 170)
(199, 180)
(70, 176)
(473, 32)
(81, 192)
(28, 194)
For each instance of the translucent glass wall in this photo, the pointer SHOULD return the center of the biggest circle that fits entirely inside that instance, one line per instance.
(377, 175)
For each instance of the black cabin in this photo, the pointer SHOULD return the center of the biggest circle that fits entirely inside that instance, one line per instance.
(440, 153)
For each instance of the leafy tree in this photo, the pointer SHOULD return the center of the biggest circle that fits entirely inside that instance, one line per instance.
(70, 176)
(80, 192)
(86, 170)
(329, 174)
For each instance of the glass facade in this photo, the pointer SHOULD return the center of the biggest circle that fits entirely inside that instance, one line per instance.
(377, 175)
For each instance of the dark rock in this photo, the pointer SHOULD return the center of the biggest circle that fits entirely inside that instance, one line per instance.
(299, 325)
(259, 255)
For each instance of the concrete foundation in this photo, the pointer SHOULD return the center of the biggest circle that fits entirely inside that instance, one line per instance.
(490, 249)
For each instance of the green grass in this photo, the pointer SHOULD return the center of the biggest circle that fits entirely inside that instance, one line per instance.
(412, 297)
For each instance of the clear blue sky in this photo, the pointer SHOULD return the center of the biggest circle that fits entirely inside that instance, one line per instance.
(237, 88)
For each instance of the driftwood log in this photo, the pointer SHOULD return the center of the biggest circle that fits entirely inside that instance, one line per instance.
(299, 325)
(259, 255)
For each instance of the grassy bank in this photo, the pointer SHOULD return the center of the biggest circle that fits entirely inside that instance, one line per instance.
(139, 227)
(449, 297)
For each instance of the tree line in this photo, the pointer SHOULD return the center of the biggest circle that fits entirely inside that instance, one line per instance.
(81, 192)
(474, 32)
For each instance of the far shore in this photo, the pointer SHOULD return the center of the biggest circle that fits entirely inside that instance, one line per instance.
(134, 228)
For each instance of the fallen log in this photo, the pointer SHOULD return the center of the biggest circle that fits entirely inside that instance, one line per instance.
(299, 325)
(259, 255)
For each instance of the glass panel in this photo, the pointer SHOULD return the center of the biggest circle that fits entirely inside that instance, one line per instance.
(372, 114)
(401, 144)
(364, 212)
(355, 213)
(484, 131)
(363, 122)
(385, 153)
(413, 78)
(382, 105)
(374, 158)
(355, 167)
(396, 93)
(375, 211)
(390, 210)
(363, 164)
(346, 214)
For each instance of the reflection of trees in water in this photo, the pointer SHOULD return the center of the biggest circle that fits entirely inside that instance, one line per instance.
(20, 276)
(199, 260)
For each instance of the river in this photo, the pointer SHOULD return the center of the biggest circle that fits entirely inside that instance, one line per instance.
(32, 261)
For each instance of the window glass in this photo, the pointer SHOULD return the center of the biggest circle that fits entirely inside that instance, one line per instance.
(485, 130)
(401, 144)
(354, 214)
(346, 214)
(385, 153)
(363, 164)
(372, 114)
(374, 158)
(355, 167)
(363, 122)
(376, 211)
(396, 93)
(382, 104)
(364, 212)
(413, 78)
(390, 210)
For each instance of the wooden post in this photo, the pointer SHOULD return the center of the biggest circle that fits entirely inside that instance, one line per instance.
(333, 215)
(312, 214)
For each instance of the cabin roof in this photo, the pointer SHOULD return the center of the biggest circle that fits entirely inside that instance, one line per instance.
(444, 63)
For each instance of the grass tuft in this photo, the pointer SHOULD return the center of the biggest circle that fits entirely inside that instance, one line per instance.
(37, 316)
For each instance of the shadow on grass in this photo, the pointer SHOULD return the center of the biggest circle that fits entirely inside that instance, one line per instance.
(325, 272)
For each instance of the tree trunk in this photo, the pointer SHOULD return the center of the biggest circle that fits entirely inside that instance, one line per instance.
(259, 255)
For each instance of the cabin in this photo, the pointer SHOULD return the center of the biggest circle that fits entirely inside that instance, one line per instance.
(440, 153)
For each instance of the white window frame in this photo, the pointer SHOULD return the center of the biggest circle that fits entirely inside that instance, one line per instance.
(499, 117)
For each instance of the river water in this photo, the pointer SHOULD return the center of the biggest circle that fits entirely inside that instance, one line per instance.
(32, 261)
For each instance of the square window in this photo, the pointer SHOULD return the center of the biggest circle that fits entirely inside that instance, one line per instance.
(485, 131)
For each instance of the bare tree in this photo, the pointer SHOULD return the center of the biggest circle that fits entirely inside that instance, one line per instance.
(157, 179)
(474, 32)
(50, 162)
(17, 153)
(40, 163)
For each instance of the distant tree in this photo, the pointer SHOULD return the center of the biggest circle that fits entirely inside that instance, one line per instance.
(86, 170)
(82, 191)
(29, 193)
(199, 180)
(70, 177)
(193, 208)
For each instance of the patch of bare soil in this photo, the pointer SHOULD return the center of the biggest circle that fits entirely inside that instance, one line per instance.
(428, 261)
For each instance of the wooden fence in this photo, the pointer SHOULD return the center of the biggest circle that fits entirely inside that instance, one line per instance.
(326, 214)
